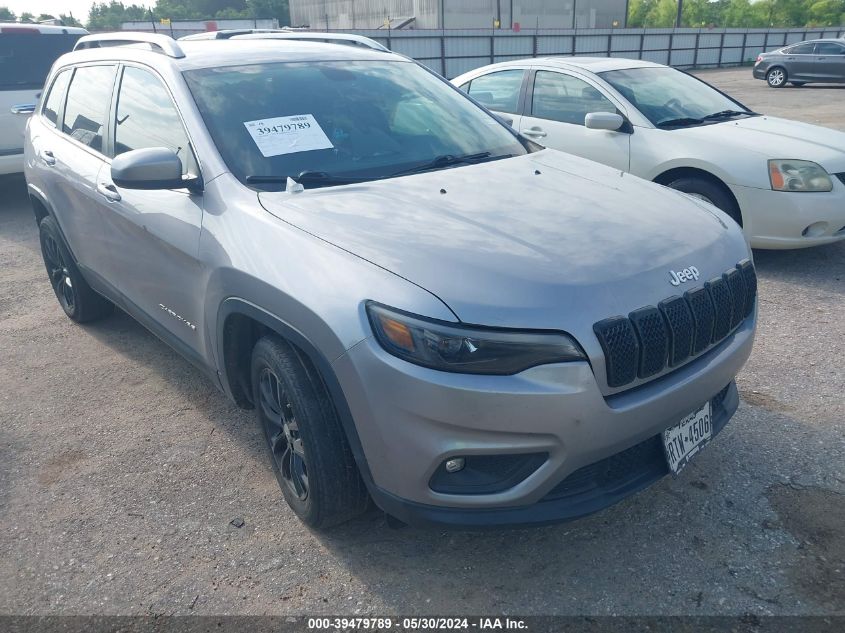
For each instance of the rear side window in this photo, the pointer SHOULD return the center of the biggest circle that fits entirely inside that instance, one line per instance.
(87, 104)
(146, 117)
(829, 48)
(26, 56)
(498, 91)
(54, 99)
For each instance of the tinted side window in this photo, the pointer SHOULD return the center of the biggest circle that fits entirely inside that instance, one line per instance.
(498, 91)
(87, 104)
(146, 117)
(563, 98)
(53, 103)
(26, 57)
(801, 49)
(829, 48)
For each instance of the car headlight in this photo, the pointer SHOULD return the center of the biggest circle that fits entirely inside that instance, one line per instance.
(798, 175)
(467, 349)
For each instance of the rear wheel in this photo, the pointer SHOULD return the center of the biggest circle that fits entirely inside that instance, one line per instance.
(77, 298)
(310, 454)
(709, 191)
(776, 77)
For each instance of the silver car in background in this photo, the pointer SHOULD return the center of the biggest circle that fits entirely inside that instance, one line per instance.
(814, 61)
(424, 308)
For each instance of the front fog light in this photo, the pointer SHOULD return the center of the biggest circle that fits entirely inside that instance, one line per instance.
(798, 175)
(455, 464)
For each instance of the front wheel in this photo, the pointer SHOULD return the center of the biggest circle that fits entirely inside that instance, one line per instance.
(309, 452)
(709, 191)
(77, 298)
(776, 77)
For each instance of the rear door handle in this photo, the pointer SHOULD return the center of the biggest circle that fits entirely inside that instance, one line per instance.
(534, 132)
(47, 157)
(108, 191)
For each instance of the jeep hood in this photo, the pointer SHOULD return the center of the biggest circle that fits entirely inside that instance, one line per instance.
(537, 241)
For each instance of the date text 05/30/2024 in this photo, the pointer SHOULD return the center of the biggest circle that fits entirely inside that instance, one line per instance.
(415, 624)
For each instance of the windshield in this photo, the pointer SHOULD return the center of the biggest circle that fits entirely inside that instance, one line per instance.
(326, 123)
(668, 96)
(26, 57)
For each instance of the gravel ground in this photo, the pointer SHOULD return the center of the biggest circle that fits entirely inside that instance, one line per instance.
(122, 470)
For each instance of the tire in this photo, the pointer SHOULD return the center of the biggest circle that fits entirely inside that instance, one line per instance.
(309, 452)
(776, 77)
(709, 191)
(79, 301)
(798, 84)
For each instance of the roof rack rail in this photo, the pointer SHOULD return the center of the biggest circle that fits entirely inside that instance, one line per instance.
(316, 36)
(158, 41)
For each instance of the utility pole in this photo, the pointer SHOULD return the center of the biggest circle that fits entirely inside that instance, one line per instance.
(679, 19)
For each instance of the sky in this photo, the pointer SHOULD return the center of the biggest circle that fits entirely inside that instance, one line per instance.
(79, 8)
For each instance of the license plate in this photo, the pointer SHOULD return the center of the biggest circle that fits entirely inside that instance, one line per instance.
(682, 441)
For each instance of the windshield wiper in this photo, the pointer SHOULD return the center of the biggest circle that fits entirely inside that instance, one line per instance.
(313, 178)
(724, 114)
(682, 122)
(448, 160)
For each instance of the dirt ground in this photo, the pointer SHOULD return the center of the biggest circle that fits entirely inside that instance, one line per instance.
(122, 470)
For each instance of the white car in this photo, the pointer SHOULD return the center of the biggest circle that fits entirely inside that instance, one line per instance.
(783, 181)
(27, 51)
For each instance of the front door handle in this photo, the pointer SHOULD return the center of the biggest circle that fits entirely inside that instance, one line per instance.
(534, 132)
(47, 157)
(108, 191)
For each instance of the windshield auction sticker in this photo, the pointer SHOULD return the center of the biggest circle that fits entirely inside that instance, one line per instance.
(287, 135)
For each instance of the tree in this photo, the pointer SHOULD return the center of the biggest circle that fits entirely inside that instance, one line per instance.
(26, 16)
(278, 9)
(69, 20)
(110, 16)
(826, 13)
(6, 15)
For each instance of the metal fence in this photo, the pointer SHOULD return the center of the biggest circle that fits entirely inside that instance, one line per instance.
(453, 52)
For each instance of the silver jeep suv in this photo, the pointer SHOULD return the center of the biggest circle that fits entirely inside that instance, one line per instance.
(423, 307)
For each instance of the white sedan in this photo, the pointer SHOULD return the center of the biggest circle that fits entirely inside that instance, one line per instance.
(782, 181)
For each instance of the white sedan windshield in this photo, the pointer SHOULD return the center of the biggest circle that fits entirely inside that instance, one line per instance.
(669, 97)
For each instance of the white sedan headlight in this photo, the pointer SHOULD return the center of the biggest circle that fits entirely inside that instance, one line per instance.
(798, 175)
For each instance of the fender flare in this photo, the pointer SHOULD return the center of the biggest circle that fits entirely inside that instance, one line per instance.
(237, 305)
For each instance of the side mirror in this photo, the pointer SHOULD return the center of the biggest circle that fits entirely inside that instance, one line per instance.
(604, 121)
(149, 168)
(25, 109)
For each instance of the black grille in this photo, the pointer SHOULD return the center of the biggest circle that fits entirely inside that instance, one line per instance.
(702, 312)
(720, 295)
(737, 286)
(652, 336)
(619, 343)
(841, 177)
(678, 317)
(642, 344)
(750, 278)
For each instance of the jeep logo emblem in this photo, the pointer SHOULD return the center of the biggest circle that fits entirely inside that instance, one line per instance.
(682, 276)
